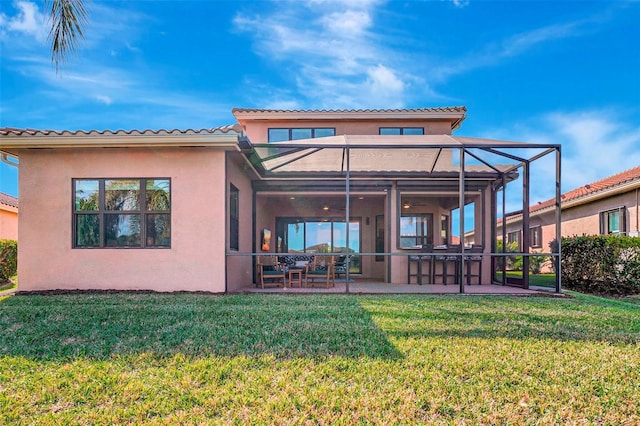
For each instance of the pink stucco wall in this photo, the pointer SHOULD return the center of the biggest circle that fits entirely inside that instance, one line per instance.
(585, 219)
(8, 223)
(257, 131)
(196, 259)
(239, 263)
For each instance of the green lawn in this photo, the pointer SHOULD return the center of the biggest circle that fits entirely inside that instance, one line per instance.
(538, 280)
(323, 359)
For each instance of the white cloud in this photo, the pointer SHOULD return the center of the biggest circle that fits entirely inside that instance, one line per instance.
(494, 53)
(104, 99)
(28, 20)
(383, 82)
(350, 24)
(595, 144)
(460, 3)
(331, 52)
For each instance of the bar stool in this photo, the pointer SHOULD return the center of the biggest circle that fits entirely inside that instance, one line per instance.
(419, 259)
(473, 257)
(450, 265)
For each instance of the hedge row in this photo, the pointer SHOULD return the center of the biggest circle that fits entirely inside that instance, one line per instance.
(8, 259)
(606, 265)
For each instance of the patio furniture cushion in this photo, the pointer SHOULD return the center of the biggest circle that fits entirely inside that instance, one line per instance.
(291, 259)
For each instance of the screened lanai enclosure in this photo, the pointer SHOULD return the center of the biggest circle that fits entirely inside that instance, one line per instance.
(398, 210)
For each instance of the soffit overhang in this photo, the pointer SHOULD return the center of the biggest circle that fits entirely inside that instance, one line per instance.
(14, 140)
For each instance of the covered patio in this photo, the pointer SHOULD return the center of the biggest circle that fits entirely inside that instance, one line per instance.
(395, 183)
(364, 286)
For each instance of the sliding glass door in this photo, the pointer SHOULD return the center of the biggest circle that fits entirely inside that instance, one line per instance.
(326, 235)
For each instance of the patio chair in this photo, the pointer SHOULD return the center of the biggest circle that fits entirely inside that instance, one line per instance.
(270, 271)
(341, 266)
(322, 268)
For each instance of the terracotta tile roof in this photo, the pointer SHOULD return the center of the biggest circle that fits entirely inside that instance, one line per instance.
(459, 109)
(10, 131)
(592, 188)
(8, 200)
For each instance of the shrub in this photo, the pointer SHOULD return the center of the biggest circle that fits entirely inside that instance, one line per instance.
(537, 262)
(8, 259)
(607, 265)
(513, 262)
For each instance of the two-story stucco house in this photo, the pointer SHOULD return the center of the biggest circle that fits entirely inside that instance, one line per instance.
(187, 210)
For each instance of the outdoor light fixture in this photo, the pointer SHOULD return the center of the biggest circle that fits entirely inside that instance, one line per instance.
(406, 206)
(325, 208)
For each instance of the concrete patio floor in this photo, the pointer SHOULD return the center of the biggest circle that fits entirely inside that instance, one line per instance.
(364, 286)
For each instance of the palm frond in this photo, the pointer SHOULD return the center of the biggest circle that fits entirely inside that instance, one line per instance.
(68, 19)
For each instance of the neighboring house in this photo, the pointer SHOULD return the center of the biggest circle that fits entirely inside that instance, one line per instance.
(171, 210)
(8, 217)
(609, 206)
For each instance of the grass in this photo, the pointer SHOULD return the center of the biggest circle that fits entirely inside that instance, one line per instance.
(13, 283)
(322, 359)
(538, 280)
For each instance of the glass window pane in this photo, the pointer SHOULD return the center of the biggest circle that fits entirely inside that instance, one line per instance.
(86, 193)
(318, 237)
(87, 230)
(158, 230)
(340, 237)
(324, 132)
(122, 195)
(389, 130)
(122, 230)
(158, 194)
(408, 226)
(234, 202)
(413, 131)
(614, 222)
(300, 134)
(295, 237)
(278, 135)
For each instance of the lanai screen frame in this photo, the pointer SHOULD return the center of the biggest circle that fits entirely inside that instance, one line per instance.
(464, 145)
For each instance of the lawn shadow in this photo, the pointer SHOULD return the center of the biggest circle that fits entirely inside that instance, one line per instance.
(98, 326)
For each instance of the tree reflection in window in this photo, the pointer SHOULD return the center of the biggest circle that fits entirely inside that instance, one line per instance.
(122, 213)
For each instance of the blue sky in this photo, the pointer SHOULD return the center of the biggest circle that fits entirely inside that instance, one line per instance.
(554, 72)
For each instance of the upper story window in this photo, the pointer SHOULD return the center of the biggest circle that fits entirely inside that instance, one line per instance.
(114, 213)
(401, 130)
(613, 222)
(292, 134)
